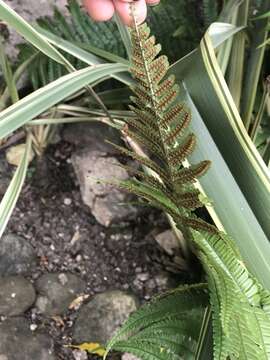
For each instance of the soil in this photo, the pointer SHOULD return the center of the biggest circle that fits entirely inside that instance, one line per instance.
(66, 237)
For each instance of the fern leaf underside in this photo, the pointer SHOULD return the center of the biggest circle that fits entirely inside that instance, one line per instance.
(240, 306)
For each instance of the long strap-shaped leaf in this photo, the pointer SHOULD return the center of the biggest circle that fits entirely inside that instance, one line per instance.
(212, 102)
(79, 53)
(11, 196)
(29, 33)
(40, 100)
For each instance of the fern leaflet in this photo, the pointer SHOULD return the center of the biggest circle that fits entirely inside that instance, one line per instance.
(240, 305)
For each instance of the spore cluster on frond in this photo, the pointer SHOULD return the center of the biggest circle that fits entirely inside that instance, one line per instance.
(239, 304)
(161, 129)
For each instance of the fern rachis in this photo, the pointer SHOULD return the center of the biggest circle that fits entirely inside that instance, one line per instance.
(240, 305)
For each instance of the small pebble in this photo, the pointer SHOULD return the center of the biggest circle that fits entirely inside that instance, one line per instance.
(80, 355)
(67, 201)
(33, 327)
(143, 277)
(63, 279)
(79, 258)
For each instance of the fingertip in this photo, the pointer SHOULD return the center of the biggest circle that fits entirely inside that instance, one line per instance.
(102, 12)
(123, 9)
(152, 2)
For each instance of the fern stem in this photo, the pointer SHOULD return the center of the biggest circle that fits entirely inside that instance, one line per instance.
(154, 103)
(204, 349)
(181, 239)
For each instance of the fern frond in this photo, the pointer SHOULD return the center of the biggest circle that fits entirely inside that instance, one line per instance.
(161, 172)
(174, 318)
(240, 305)
(161, 129)
(182, 151)
(242, 325)
(189, 175)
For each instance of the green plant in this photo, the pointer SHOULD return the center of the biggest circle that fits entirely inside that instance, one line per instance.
(237, 181)
(239, 303)
(41, 101)
(103, 39)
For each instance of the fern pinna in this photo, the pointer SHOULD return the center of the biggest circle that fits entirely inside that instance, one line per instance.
(240, 306)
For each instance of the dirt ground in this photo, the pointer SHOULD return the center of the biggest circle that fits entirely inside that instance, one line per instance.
(66, 237)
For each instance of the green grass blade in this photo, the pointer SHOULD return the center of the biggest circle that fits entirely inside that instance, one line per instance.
(79, 53)
(228, 15)
(29, 33)
(17, 75)
(42, 99)
(263, 16)
(125, 35)
(254, 65)
(8, 75)
(225, 49)
(68, 120)
(11, 196)
(106, 55)
(235, 71)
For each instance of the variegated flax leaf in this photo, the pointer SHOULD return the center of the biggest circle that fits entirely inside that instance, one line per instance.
(240, 305)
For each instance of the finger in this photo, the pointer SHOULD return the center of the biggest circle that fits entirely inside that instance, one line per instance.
(101, 10)
(152, 2)
(123, 9)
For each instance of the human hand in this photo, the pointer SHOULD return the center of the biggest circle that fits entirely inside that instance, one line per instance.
(102, 10)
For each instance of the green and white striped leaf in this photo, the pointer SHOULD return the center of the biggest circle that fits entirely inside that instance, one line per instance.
(244, 212)
(34, 104)
(14, 20)
(11, 195)
(79, 53)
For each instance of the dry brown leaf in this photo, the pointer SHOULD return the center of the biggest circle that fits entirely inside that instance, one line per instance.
(78, 302)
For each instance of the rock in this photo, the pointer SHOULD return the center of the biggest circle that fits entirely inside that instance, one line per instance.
(56, 292)
(102, 316)
(128, 356)
(105, 201)
(168, 241)
(30, 10)
(17, 256)
(5, 175)
(79, 355)
(165, 281)
(16, 296)
(14, 154)
(91, 136)
(18, 342)
(142, 277)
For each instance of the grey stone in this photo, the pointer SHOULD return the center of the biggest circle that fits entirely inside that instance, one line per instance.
(57, 291)
(16, 296)
(103, 315)
(128, 356)
(17, 256)
(5, 175)
(142, 277)
(105, 201)
(30, 10)
(165, 281)
(18, 342)
(168, 241)
(91, 136)
(79, 355)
